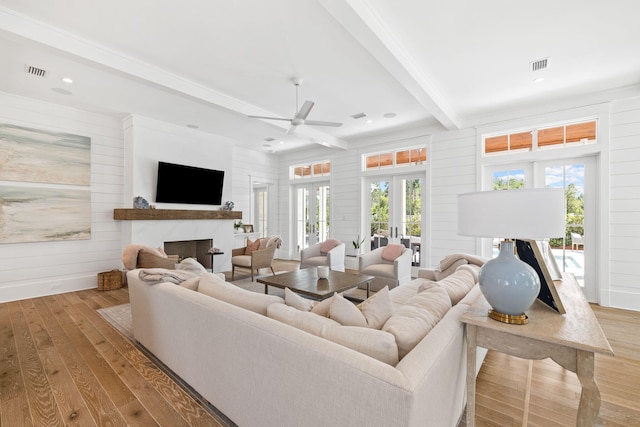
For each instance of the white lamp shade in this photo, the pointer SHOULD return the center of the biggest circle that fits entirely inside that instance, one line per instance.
(536, 213)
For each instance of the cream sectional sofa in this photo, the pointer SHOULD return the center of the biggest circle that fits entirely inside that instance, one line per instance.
(259, 371)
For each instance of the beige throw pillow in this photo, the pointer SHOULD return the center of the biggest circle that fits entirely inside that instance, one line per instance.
(297, 301)
(372, 313)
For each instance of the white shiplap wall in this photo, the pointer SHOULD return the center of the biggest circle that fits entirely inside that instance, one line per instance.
(624, 205)
(34, 269)
(452, 171)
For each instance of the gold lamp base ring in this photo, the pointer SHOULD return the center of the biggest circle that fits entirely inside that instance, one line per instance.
(520, 319)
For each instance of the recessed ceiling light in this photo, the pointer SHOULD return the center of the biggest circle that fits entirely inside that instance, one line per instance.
(67, 80)
(61, 91)
(281, 142)
(369, 121)
(390, 115)
(538, 79)
(192, 126)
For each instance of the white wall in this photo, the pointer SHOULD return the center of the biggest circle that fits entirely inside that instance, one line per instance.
(453, 168)
(624, 205)
(149, 141)
(43, 268)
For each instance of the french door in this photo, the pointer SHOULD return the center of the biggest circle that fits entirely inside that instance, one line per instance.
(311, 214)
(395, 207)
(575, 251)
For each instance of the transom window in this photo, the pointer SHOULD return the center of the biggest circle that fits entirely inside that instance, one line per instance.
(399, 158)
(322, 168)
(541, 138)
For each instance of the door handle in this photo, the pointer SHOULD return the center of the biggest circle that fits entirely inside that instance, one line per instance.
(396, 232)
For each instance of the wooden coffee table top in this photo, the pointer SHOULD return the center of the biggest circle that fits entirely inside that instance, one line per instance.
(306, 282)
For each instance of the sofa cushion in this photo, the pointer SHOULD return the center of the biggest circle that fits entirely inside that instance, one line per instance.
(321, 308)
(380, 270)
(458, 284)
(410, 323)
(190, 264)
(374, 343)
(213, 286)
(392, 251)
(316, 260)
(327, 245)
(251, 246)
(242, 260)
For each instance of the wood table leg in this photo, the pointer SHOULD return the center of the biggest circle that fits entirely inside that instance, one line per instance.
(590, 397)
(471, 332)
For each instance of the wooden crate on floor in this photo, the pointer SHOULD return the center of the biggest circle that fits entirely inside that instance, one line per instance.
(109, 280)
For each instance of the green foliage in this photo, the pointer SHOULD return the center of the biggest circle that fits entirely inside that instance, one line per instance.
(575, 215)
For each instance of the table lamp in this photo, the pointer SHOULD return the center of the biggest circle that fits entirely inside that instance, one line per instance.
(510, 285)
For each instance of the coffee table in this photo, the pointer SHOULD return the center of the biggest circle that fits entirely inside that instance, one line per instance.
(306, 282)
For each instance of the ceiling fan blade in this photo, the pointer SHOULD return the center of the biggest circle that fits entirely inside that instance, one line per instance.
(318, 123)
(304, 110)
(269, 118)
(291, 129)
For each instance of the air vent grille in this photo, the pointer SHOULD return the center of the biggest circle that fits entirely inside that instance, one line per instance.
(269, 139)
(540, 64)
(359, 115)
(29, 69)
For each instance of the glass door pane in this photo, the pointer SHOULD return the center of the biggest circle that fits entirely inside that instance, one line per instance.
(411, 221)
(312, 214)
(302, 218)
(379, 219)
(569, 250)
(320, 232)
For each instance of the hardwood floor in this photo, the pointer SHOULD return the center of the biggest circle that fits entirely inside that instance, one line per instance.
(61, 363)
(517, 392)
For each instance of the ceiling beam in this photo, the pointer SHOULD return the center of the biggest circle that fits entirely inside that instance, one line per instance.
(368, 28)
(40, 32)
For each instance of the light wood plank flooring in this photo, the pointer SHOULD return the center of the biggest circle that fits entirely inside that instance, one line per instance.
(62, 364)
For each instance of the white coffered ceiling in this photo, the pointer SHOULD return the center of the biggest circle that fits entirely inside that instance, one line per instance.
(435, 64)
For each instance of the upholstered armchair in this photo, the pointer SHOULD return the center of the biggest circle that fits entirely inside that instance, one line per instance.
(390, 265)
(329, 253)
(256, 255)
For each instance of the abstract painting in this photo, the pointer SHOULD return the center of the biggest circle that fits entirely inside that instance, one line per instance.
(31, 155)
(36, 214)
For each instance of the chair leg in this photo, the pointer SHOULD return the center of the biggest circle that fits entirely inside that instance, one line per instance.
(252, 273)
(233, 272)
(274, 273)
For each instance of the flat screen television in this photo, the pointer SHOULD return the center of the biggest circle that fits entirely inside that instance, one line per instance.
(188, 184)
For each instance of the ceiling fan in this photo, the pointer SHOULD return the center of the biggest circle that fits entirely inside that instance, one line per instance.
(300, 117)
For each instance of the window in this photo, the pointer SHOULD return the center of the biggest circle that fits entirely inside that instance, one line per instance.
(322, 168)
(541, 139)
(391, 159)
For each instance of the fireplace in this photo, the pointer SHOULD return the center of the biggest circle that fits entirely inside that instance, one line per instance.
(197, 249)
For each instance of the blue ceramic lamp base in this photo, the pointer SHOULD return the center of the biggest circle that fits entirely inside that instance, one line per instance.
(509, 285)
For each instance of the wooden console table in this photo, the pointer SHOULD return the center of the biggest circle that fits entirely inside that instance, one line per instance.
(570, 339)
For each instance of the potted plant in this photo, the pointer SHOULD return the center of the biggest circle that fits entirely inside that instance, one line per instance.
(238, 227)
(356, 246)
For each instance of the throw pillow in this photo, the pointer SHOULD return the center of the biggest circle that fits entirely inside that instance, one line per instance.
(321, 308)
(190, 264)
(251, 246)
(345, 312)
(392, 251)
(411, 322)
(377, 308)
(297, 301)
(327, 245)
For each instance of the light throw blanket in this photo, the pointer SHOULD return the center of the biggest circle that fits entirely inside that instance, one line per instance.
(159, 275)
